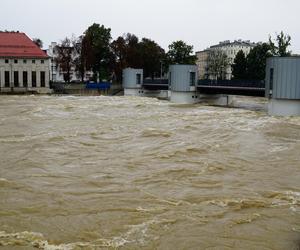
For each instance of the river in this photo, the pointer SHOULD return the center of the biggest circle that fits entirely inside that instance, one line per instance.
(141, 173)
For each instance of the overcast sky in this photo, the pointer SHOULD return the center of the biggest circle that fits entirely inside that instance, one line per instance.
(200, 23)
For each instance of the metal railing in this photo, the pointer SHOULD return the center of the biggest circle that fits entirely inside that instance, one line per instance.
(155, 81)
(233, 83)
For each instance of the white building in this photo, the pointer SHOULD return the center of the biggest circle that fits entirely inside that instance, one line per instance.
(229, 48)
(24, 67)
(56, 74)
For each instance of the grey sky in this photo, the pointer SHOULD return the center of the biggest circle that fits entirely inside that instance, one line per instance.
(198, 22)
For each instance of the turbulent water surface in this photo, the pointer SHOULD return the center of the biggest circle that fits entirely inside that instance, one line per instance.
(139, 173)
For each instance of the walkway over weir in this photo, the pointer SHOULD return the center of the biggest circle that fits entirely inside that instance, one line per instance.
(156, 84)
(230, 87)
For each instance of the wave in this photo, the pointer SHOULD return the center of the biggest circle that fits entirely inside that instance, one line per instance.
(152, 132)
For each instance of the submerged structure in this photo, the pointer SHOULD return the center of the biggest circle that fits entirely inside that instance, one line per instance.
(283, 85)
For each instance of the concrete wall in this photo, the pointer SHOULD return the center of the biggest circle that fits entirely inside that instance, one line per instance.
(282, 107)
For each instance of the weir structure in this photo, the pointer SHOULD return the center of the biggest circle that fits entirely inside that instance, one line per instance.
(182, 84)
(135, 85)
(132, 81)
(281, 86)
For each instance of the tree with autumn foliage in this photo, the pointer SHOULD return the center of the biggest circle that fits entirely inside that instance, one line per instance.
(64, 58)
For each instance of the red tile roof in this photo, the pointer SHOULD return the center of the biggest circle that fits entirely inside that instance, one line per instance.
(18, 45)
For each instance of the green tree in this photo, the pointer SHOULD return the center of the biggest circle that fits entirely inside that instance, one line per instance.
(152, 56)
(128, 51)
(118, 48)
(133, 55)
(97, 51)
(217, 63)
(79, 59)
(256, 61)
(125, 53)
(181, 53)
(279, 47)
(239, 67)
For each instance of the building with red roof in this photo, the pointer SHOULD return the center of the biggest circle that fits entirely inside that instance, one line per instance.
(24, 67)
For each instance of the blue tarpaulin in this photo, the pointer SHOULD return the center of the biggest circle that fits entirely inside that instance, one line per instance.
(98, 85)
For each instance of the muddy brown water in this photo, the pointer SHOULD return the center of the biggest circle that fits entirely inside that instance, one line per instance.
(139, 173)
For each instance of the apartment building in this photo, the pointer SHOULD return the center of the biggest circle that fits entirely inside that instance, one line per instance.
(229, 48)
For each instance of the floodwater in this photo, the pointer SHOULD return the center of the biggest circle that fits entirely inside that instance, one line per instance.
(140, 173)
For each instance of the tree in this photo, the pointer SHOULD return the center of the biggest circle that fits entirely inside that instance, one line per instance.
(125, 53)
(279, 47)
(152, 56)
(38, 42)
(97, 51)
(181, 53)
(239, 67)
(64, 58)
(79, 59)
(133, 55)
(256, 61)
(119, 51)
(128, 51)
(218, 63)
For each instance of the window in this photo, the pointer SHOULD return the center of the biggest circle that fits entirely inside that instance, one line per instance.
(16, 78)
(7, 79)
(170, 78)
(43, 79)
(33, 79)
(138, 78)
(33, 61)
(6, 61)
(25, 79)
(271, 78)
(15, 61)
(42, 61)
(192, 78)
(24, 61)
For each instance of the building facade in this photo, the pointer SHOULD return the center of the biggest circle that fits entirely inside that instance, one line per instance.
(24, 67)
(202, 64)
(230, 49)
